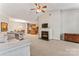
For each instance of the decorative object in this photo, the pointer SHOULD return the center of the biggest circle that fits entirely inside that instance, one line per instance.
(4, 27)
(32, 29)
(39, 8)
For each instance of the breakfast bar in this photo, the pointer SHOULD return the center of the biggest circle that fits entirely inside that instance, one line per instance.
(15, 47)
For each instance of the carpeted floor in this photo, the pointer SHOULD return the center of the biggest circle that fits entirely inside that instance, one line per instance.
(54, 48)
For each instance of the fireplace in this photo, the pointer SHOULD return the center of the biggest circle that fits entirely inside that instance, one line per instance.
(44, 35)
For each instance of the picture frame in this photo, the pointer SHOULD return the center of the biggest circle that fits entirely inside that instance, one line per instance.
(4, 26)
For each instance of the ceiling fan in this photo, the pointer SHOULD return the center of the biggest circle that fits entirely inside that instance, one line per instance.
(39, 8)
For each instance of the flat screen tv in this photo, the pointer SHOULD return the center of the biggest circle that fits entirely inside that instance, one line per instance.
(45, 25)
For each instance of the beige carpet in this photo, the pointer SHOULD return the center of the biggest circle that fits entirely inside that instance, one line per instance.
(53, 48)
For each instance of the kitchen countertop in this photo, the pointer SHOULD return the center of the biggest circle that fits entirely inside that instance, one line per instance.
(12, 44)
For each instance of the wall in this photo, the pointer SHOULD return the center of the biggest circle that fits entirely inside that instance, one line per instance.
(61, 21)
(12, 25)
(16, 25)
(70, 21)
(54, 23)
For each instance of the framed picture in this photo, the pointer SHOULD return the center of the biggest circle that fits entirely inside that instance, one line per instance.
(4, 27)
(32, 29)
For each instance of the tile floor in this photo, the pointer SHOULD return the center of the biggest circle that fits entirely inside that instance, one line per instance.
(54, 48)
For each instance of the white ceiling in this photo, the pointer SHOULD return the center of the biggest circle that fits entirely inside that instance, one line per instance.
(63, 5)
(22, 10)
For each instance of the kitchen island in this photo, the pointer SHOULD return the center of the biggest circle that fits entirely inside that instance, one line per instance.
(15, 47)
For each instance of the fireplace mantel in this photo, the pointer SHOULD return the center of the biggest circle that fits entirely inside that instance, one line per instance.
(45, 35)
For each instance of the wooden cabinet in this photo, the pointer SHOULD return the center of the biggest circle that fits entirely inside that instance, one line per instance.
(71, 37)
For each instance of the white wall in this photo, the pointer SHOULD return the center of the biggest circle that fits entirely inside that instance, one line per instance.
(13, 25)
(17, 25)
(70, 20)
(54, 23)
(61, 21)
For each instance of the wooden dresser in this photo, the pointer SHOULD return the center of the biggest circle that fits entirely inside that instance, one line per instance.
(71, 37)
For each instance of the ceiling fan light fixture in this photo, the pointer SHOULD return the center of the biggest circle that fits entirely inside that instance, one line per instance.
(40, 8)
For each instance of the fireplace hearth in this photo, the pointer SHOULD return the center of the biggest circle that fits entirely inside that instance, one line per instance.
(45, 35)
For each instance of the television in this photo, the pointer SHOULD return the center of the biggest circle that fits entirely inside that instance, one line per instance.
(45, 25)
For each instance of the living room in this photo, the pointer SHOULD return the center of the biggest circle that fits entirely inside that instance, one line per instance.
(45, 24)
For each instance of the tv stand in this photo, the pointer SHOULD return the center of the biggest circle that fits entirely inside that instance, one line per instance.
(71, 37)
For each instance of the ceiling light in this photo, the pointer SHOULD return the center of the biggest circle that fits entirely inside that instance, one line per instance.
(38, 10)
(19, 20)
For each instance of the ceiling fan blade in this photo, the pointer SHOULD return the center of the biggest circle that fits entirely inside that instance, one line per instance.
(44, 6)
(32, 9)
(39, 7)
(36, 12)
(36, 4)
(43, 11)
